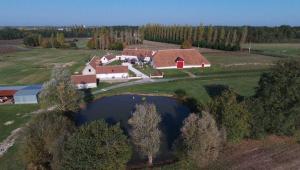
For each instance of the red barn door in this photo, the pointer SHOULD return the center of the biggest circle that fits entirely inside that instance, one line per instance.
(180, 64)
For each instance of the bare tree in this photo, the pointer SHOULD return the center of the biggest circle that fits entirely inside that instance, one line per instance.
(145, 132)
(60, 92)
(201, 139)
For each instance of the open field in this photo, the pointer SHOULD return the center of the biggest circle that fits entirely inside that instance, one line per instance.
(34, 66)
(13, 116)
(8, 46)
(276, 49)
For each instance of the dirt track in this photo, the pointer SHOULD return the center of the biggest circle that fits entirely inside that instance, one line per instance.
(271, 153)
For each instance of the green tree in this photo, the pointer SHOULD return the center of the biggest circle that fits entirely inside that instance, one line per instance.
(43, 138)
(278, 98)
(60, 92)
(244, 36)
(145, 131)
(232, 115)
(96, 146)
(201, 139)
(186, 44)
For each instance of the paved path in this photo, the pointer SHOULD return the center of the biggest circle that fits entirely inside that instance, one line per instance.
(137, 72)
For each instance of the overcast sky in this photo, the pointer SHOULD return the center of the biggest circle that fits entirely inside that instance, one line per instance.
(139, 12)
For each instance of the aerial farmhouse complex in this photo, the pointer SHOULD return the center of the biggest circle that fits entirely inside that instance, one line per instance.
(98, 69)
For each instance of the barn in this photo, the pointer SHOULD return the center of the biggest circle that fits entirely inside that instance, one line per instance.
(179, 59)
(20, 94)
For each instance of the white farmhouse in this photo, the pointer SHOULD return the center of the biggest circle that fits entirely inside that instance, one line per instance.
(136, 54)
(112, 73)
(108, 59)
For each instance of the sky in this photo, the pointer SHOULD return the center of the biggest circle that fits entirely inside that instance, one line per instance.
(139, 12)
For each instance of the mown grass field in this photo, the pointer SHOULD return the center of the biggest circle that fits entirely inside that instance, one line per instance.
(34, 66)
(16, 114)
(276, 49)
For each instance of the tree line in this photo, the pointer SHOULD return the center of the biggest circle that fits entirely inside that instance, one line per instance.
(56, 40)
(224, 38)
(220, 37)
(52, 141)
(114, 39)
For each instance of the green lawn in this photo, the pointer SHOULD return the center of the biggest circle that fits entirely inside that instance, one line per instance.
(243, 84)
(114, 63)
(276, 49)
(12, 160)
(15, 113)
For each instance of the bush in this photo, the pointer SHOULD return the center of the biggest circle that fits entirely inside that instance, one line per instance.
(31, 40)
(96, 146)
(180, 93)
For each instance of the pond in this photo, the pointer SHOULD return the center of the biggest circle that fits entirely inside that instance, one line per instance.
(119, 108)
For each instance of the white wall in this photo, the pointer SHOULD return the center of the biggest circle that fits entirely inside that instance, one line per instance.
(104, 60)
(185, 66)
(88, 70)
(86, 86)
(113, 76)
(124, 57)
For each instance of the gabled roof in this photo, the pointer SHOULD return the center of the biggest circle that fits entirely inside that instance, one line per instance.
(167, 58)
(111, 69)
(95, 61)
(138, 52)
(83, 79)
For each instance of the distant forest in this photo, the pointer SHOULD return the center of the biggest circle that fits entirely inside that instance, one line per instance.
(217, 37)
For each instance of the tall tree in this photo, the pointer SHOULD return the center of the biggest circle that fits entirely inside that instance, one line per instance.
(233, 115)
(201, 139)
(244, 36)
(60, 92)
(209, 35)
(43, 138)
(145, 131)
(279, 99)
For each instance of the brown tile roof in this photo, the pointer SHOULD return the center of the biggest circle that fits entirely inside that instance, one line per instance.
(7, 92)
(111, 69)
(95, 61)
(83, 79)
(167, 58)
(138, 52)
(109, 57)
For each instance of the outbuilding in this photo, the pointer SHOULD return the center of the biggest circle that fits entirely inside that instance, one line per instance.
(84, 81)
(28, 95)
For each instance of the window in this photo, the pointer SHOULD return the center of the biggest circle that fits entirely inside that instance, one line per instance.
(90, 70)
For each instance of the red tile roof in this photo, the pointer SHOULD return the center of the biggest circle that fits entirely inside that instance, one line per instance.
(167, 58)
(110, 56)
(138, 52)
(111, 69)
(83, 79)
(95, 61)
(7, 92)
